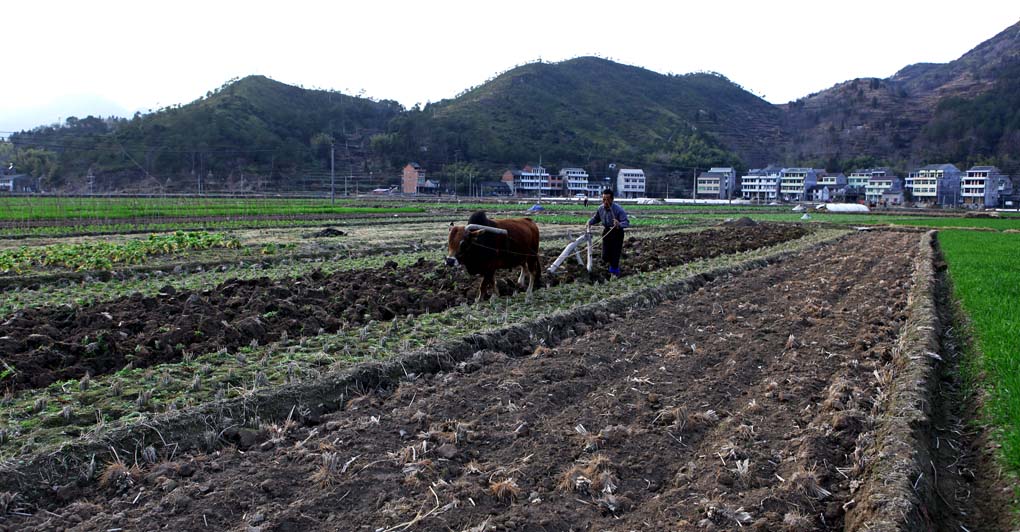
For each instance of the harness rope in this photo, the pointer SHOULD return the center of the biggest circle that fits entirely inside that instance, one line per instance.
(540, 254)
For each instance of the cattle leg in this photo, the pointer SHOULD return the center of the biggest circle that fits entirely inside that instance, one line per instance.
(524, 270)
(488, 283)
(534, 273)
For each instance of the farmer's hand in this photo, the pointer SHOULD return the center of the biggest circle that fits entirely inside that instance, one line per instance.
(616, 222)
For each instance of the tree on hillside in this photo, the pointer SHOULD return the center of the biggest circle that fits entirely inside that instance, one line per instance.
(460, 176)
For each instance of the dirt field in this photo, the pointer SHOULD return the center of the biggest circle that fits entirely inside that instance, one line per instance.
(745, 404)
(54, 344)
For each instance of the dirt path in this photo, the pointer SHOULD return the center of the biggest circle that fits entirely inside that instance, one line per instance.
(746, 402)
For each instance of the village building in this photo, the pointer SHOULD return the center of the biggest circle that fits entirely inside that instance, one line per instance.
(716, 183)
(981, 187)
(534, 181)
(575, 180)
(935, 184)
(16, 183)
(878, 185)
(761, 185)
(829, 187)
(630, 183)
(413, 181)
(794, 183)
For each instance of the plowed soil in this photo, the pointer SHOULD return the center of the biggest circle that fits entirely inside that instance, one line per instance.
(48, 345)
(743, 405)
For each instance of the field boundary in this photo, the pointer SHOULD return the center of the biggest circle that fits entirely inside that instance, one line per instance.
(898, 484)
(237, 421)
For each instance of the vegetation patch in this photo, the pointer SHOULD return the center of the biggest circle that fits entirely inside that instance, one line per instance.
(983, 268)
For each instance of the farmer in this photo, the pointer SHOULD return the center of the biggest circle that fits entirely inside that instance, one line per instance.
(614, 220)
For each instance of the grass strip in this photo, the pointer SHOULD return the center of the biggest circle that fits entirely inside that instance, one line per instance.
(985, 270)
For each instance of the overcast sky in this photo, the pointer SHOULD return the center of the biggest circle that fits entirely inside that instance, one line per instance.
(64, 58)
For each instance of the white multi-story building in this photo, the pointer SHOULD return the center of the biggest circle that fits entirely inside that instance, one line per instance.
(937, 184)
(630, 183)
(534, 181)
(980, 187)
(794, 183)
(829, 186)
(717, 183)
(761, 184)
(859, 178)
(576, 181)
(880, 184)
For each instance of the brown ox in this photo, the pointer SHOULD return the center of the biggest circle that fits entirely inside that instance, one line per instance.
(484, 246)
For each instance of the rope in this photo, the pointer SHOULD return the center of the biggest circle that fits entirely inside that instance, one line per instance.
(540, 254)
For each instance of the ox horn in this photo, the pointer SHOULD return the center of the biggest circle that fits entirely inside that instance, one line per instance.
(477, 227)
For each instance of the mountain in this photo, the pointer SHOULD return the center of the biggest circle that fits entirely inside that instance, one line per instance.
(252, 125)
(586, 112)
(584, 108)
(904, 119)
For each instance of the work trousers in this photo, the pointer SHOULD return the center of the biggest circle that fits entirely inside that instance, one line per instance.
(612, 245)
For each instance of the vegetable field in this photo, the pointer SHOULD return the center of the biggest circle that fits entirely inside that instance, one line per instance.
(334, 373)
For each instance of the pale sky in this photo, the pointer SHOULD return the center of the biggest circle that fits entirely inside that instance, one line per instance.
(64, 58)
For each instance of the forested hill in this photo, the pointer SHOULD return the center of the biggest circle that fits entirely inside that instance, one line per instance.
(964, 112)
(583, 112)
(588, 108)
(253, 125)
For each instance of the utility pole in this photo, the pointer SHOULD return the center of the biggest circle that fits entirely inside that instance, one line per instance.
(350, 164)
(332, 173)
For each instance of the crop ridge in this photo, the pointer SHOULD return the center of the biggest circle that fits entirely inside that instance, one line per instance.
(31, 476)
(899, 486)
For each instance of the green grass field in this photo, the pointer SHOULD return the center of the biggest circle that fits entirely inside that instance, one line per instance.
(985, 269)
(89, 208)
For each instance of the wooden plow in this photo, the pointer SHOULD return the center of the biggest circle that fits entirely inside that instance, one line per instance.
(575, 248)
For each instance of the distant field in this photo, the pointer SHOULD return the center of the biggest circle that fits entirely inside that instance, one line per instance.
(664, 218)
(49, 208)
(985, 268)
(80, 215)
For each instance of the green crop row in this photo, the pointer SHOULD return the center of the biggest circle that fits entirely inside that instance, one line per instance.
(985, 269)
(103, 255)
(157, 227)
(74, 208)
